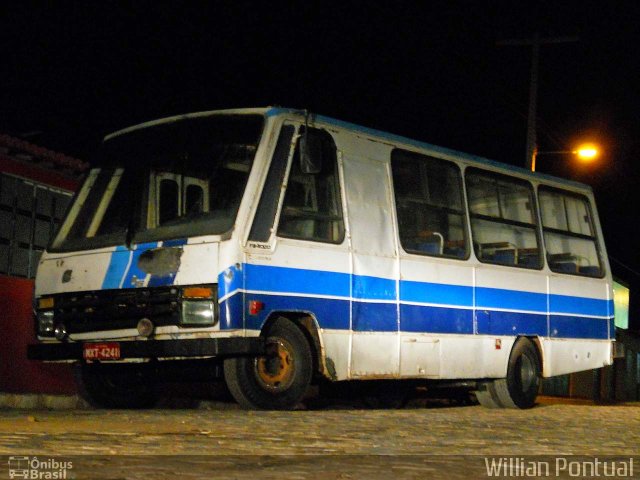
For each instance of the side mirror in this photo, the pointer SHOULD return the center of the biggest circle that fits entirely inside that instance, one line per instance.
(310, 153)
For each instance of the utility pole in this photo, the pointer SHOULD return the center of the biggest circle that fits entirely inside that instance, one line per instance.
(534, 43)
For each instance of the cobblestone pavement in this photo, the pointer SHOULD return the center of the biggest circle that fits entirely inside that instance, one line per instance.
(342, 443)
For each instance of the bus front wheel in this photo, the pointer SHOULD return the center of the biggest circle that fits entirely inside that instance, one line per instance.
(277, 380)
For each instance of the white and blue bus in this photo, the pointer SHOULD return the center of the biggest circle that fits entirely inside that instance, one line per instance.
(288, 248)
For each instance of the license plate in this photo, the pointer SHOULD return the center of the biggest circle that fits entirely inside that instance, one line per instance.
(101, 351)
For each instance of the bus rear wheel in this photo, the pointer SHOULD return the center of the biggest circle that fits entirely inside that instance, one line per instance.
(520, 388)
(277, 380)
(487, 396)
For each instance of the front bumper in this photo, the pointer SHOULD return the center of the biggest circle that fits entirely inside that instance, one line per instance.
(147, 349)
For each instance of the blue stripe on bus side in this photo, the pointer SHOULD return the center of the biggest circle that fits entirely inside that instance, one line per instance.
(612, 328)
(281, 288)
(230, 280)
(564, 326)
(374, 288)
(315, 282)
(416, 318)
(117, 268)
(374, 317)
(579, 305)
(176, 242)
(161, 281)
(330, 313)
(382, 317)
(295, 280)
(488, 298)
(231, 315)
(437, 293)
(498, 322)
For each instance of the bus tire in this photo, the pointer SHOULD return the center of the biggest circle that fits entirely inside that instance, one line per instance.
(487, 396)
(520, 388)
(278, 380)
(116, 386)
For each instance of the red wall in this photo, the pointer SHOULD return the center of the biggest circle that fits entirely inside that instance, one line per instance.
(17, 374)
(41, 175)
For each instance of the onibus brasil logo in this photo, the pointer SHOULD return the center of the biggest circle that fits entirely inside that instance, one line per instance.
(38, 469)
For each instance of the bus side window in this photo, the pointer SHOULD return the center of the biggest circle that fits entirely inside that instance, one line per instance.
(428, 193)
(312, 207)
(569, 235)
(503, 219)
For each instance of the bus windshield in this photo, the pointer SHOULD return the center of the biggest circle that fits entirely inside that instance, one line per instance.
(171, 180)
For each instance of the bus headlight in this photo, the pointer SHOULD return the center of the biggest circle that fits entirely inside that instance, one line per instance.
(197, 313)
(198, 306)
(45, 323)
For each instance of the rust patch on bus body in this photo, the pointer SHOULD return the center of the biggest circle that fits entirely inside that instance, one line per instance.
(160, 261)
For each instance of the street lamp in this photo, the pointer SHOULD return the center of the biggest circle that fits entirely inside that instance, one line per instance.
(586, 153)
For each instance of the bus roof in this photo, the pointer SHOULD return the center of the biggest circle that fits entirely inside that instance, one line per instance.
(370, 132)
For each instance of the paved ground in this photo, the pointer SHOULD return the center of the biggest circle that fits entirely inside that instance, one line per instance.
(343, 442)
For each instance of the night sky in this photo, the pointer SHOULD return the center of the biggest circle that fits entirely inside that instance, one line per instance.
(429, 70)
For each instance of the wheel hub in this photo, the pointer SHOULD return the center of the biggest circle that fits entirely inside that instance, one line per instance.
(275, 371)
(527, 372)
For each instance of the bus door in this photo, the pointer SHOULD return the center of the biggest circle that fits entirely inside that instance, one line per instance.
(375, 269)
(298, 257)
(436, 290)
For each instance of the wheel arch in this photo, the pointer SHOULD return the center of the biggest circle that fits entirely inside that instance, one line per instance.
(521, 385)
(308, 324)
